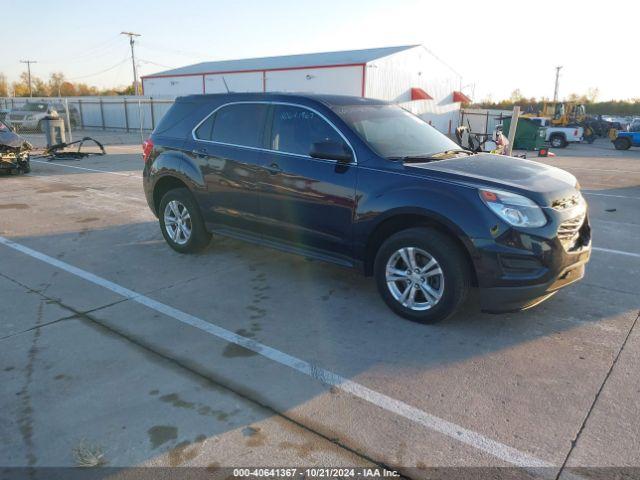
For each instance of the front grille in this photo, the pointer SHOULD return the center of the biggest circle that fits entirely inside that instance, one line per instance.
(16, 116)
(569, 231)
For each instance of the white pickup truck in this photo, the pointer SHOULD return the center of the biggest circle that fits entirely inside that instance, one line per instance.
(559, 137)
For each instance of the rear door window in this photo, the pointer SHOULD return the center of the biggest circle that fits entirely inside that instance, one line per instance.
(238, 124)
(295, 129)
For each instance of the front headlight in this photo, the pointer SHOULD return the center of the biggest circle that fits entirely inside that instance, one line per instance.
(514, 209)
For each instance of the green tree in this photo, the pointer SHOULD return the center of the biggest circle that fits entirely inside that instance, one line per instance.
(40, 87)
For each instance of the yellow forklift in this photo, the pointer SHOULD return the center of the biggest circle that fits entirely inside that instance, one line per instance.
(565, 113)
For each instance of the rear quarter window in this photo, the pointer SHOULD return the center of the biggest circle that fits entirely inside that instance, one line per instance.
(181, 118)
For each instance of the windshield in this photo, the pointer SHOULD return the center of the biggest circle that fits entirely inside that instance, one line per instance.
(33, 107)
(393, 132)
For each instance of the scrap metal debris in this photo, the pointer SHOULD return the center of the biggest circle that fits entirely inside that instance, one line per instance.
(59, 151)
(14, 151)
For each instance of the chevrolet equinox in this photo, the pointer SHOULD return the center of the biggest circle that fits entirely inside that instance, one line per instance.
(363, 183)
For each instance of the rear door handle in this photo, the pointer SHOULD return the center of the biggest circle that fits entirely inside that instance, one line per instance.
(274, 168)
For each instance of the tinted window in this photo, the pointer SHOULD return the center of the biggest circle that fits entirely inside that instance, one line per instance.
(295, 129)
(393, 132)
(240, 124)
(203, 132)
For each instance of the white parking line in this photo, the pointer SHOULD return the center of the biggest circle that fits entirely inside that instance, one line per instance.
(617, 252)
(88, 169)
(461, 434)
(599, 169)
(609, 195)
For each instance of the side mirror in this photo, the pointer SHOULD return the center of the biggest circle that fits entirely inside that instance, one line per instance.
(330, 150)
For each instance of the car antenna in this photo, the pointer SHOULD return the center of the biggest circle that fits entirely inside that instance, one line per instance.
(225, 84)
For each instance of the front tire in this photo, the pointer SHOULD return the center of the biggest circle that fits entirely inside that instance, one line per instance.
(181, 222)
(25, 166)
(622, 143)
(422, 275)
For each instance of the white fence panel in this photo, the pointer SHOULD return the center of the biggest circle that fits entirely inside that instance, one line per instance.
(109, 113)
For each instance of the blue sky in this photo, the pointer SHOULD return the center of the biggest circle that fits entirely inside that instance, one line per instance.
(81, 38)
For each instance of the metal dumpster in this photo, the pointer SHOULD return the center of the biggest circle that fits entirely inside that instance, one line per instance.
(529, 135)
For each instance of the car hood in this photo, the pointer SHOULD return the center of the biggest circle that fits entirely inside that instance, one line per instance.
(543, 183)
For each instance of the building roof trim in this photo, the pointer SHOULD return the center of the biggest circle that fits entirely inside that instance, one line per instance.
(285, 62)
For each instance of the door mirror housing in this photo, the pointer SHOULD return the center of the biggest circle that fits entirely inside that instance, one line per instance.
(330, 150)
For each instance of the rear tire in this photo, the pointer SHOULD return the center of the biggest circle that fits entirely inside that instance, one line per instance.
(427, 245)
(180, 215)
(622, 144)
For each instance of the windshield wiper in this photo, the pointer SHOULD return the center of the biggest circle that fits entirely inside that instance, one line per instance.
(431, 156)
(450, 152)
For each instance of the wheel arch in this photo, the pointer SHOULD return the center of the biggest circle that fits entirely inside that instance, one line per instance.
(163, 185)
(404, 220)
(558, 134)
(172, 169)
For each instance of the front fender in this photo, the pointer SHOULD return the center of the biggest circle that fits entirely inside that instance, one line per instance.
(456, 208)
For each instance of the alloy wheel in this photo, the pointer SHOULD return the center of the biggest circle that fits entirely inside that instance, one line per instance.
(414, 278)
(177, 222)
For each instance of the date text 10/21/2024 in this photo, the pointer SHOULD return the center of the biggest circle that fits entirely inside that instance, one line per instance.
(314, 472)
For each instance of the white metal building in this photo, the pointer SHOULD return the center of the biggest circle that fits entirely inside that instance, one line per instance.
(410, 75)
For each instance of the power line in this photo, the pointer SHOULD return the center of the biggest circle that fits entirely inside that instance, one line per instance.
(154, 63)
(159, 48)
(83, 55)
(101, 71)
(133, 58)
(29, 62)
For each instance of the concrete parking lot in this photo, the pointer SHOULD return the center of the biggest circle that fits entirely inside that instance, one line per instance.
(116, 348)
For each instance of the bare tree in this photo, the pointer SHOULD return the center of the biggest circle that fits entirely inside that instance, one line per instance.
(4, 86)
(56, 79)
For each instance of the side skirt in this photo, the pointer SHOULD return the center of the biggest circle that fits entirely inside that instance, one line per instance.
(282, 246)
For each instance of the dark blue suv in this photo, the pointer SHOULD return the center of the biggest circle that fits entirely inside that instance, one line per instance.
(366, 184)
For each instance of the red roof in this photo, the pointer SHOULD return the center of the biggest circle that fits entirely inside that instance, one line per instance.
(460, 97)
(420, 94)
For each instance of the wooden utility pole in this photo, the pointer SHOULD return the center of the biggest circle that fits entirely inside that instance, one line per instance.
(133, 59)
(555, 90)
(29, 62)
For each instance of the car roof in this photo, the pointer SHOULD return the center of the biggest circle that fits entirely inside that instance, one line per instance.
(328, 100)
